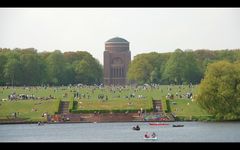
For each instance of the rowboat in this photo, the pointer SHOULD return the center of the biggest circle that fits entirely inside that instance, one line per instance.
(158, 124)
(180, 125)
(136, 128)
(151, 138)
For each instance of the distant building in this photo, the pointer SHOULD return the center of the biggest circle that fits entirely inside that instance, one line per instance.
(116, 60)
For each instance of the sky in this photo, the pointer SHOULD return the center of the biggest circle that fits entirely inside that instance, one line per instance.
(147, 29)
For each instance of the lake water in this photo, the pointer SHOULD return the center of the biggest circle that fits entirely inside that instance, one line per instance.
(121, 132)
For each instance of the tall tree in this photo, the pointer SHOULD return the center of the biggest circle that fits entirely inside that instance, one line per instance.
(174, 70)
(219, 91)
(139, 71)
(154, 76)
(191, 70)
(55, 67)
(13, 71)
(83, 72)
(33, 69)
(3, 61)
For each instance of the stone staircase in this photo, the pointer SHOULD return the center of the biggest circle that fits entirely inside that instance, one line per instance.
(171, 117)
(63, 107)
(157, 106)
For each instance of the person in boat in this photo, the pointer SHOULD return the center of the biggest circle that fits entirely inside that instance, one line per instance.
(153, 135)
(136, 128)
(146, 135)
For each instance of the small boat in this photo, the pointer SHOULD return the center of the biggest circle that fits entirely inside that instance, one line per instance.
(158, 124)
(136, 128)
(179, 125)
(151, 138)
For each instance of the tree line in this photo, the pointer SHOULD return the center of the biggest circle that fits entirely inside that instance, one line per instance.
(28, 67)
(176, 67)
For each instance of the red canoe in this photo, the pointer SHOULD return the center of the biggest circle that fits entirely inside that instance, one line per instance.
(158, 124)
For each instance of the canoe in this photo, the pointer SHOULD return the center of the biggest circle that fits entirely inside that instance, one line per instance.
(180, 125)
(158, 124)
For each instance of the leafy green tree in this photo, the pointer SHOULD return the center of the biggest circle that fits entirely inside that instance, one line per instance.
(97, 71)
(219, 91)
(92, 73)
(55, 68)
(191, 70)
(225, 55)
(182, 67)
(174, 70)
(158, 62)
(83, 72)
(154, 76)
(33, 69)
(13, 71)
(139, 71)
(3, 61)
(203, 58)
(69, 74)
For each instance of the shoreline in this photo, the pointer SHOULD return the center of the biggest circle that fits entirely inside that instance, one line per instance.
(69, 122)
(5, 123)
(27, 122)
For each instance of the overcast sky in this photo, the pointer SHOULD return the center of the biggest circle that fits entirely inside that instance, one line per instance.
(147, 29)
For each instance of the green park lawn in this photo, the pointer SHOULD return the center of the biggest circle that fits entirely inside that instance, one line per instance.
(31, 110)
(187, 109)
(116, 100)
(114, 104)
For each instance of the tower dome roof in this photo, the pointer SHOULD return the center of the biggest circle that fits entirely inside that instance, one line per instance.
(117, 40)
